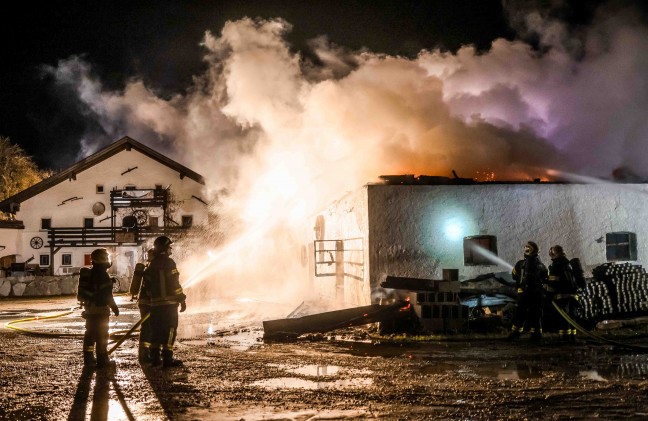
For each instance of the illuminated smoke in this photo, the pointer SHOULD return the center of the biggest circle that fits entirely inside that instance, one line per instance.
(279, 138)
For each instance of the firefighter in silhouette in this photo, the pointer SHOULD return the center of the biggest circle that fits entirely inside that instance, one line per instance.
(161, 287)
(530, 275)
(95, 294)
(562, 289)
(144, 305)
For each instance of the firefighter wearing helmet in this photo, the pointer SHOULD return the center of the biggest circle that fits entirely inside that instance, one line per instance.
(161, 289)
(144, 305)
(95, 294)
(530, 276)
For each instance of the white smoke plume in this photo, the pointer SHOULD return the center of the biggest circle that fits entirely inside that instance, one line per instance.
(278, 137)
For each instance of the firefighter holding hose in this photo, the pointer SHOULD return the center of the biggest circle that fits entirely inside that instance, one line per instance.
(563, 289)
(95, 294)
(144, 305)
(161, 288)
(529, 274)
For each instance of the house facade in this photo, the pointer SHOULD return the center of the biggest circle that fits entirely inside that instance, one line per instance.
(120, 198)
(418, 229)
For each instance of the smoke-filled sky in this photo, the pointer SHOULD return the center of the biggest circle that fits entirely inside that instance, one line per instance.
(419, 87)
(284, 108)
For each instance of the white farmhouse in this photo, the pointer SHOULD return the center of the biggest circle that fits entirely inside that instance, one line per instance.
(417, 227)
(121, 198)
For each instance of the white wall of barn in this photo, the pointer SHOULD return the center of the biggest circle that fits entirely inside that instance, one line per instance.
(49, 203)
(345, 219)
(417, 231)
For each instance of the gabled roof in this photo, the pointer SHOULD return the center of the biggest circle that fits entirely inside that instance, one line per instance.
(125, 143)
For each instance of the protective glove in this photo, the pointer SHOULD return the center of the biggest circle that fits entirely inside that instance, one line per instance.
(115, 310)
(183, 306)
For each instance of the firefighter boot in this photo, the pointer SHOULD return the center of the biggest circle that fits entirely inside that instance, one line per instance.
(104, 361)
(155, 356)
(88, 358)
(143, 355)
(168, 360)
(514, 335)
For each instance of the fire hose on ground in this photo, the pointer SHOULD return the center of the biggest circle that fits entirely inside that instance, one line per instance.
(122, 334)
(593, 335)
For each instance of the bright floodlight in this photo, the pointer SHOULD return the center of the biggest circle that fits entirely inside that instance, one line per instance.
(454, 229)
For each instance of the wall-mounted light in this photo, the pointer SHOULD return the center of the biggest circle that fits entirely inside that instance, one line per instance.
(454, 229)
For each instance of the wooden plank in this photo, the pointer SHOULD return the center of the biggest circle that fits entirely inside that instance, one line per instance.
(410, 284)
(337, 319)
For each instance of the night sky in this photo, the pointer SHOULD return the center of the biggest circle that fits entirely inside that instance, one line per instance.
(159, 43)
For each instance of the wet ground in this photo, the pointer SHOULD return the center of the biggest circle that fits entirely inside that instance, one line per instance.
(230, 373)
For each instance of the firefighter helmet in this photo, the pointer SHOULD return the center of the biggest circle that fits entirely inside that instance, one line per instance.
(162, 243)
(101, 257)
(531, 249)
(556, 251)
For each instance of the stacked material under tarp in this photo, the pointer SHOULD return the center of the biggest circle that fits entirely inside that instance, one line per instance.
(617, 290)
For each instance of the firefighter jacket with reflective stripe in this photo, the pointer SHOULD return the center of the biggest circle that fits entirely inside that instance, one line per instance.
(161, 283)
(95, 291)
(561, 277)
(529, 273)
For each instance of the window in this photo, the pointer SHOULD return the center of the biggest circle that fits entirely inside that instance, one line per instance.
(100, 188)
(621, 246)
(478, 250)
(87, 259)
(187, 221)
(153, 221)
(46, 223)
(66, 260)
(88, 222)
(44, 260)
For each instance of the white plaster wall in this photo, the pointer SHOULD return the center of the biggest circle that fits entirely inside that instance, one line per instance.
(10, 240)
(108, 173)
(407, 224)
(347, 218)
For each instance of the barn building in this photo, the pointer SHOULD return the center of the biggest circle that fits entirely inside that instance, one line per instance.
(427, 227)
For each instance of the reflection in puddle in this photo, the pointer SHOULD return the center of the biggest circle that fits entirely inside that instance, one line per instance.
(316, 370)
(297, 383)
(495, 370)
(323, 377)
(241, 340)
(592, 375)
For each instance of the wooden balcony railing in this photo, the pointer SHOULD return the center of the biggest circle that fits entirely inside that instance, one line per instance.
(108, 236)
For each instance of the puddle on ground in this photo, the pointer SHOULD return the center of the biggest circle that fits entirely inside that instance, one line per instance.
(241, 341)
(237, 414)
(508, 371)
(520, 371)
(320, 370)
(323, 377)
(316, 370)
(297, 383)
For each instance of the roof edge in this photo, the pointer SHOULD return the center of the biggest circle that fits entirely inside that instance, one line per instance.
(125, 143)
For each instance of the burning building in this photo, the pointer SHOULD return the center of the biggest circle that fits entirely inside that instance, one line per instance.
(417, 227)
